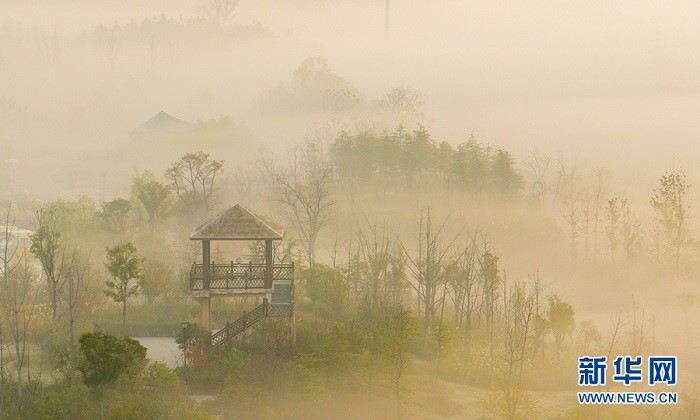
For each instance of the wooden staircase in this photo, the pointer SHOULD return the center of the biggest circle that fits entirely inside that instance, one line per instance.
(236, 327)
(281, 305)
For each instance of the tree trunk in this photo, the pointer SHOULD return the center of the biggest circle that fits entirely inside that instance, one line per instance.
(124, 317)
(54, 300)
(311, 252)
(73, 358)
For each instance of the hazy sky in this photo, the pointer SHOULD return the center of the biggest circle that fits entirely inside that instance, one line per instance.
(607, 82)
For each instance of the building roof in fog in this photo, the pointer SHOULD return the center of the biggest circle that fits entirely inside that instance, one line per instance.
(163, 122)
(15, 238)
(238, 223)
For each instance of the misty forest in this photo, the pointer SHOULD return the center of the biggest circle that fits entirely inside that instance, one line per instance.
(325, 209)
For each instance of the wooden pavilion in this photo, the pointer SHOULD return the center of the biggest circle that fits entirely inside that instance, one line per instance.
(273, 282)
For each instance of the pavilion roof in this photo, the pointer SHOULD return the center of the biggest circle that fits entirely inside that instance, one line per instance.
(238, 223)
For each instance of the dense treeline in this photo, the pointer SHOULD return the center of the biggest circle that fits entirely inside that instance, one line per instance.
(414, 156)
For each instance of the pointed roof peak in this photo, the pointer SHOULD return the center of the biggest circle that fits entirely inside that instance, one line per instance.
(163, 121)
(238, 223)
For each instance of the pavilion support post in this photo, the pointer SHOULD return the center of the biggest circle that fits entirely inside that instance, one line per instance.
(292, 317)
(206, 262)
(268, 264)
(206, 268)
(206, 313)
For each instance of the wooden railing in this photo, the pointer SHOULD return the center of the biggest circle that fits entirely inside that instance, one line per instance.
(279, 309)
(237, 275)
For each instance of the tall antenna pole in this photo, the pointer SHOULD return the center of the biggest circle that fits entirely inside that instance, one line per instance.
(386, 17)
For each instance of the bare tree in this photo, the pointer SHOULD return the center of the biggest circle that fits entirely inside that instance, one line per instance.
(403, 98)
(570, 196)
(219, 11)
(193, 179)
(402, 104)
(587, 218)
(615, 334)
(18, 299)
(79, 276)
(304, 187)
(612, 216)
(630, 232)
(9, 263)
(9, 260)
(442, 336)
(397, 339)
(429, 268)
(246, 185)
(381, 269)
(670, 202)
(600, 179)
(332, 251)
(561, 321)
(589, 334)
(541, 323)
(49, 249)
(640, 321)
(537, 171)
(509, 398)
(465, 285)
(519, 316)
(491, 279)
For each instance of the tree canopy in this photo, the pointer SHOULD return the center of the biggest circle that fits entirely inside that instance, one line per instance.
(415, 155)
(125, 268)
(106, 357)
